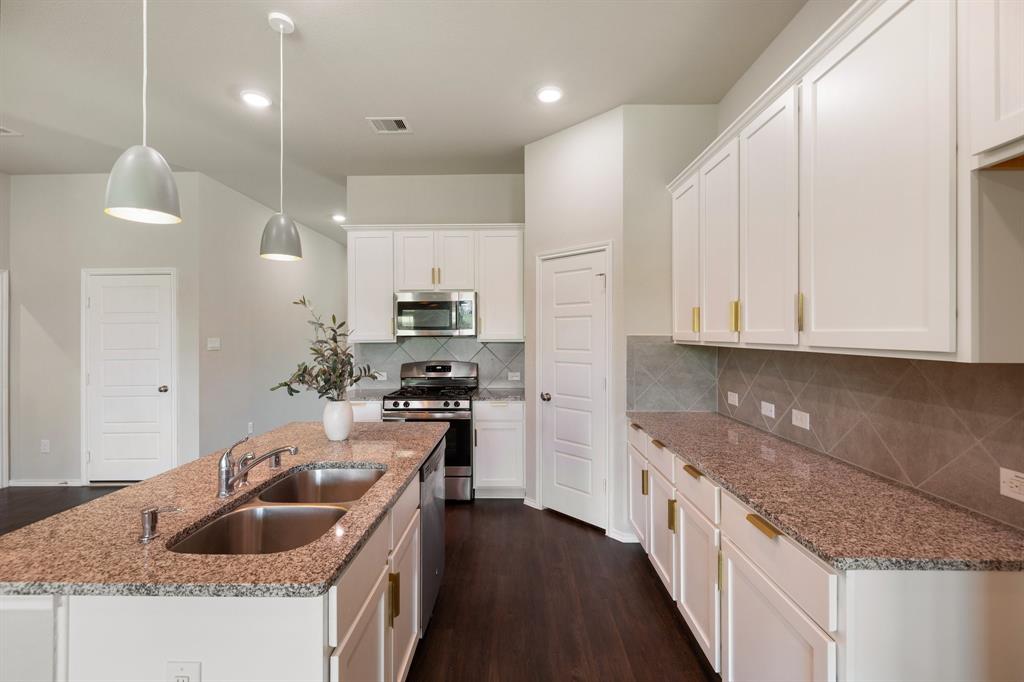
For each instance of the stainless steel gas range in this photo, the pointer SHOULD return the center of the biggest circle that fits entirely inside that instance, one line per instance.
(441, 391)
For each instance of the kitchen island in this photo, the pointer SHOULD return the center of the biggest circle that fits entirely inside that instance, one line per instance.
(81, 598)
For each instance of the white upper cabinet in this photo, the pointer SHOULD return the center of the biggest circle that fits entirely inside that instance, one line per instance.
(877, 223)
(769, 237)
(455, 260)
(415, 268)
(720, 244)
(499, 285)
(370, 287)
(686, 260)
(995, 50)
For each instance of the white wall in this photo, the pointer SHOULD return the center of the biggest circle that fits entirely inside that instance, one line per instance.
(386, 199)
(799, 34)
(659, 142)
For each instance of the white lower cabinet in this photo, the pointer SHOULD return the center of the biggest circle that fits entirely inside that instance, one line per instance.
(661, 542)
(765, 636)
(404, 579)
(698, 593)
(638, 498)
(498, 449)
(363, 656)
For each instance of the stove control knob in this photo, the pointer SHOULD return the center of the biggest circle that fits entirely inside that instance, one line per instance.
(448, 404)
(405, 404)
(456, 403)
(394, 404)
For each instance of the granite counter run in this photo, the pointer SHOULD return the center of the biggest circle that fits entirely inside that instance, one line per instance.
(93, 549)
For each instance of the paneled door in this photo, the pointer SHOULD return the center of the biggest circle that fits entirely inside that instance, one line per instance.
(661, 530)
(720, 245)
(455, 259)
(769, 213)
(573, 360)
(698, 590)
(877, 199)
(129, 377)
(638, 495)
(686, 271)
(995, 47)
(414, 260)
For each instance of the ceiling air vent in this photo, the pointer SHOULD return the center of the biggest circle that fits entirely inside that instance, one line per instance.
(7, 132)
(388, 125)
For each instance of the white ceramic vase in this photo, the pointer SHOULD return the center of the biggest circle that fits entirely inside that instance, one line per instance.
(337, 419)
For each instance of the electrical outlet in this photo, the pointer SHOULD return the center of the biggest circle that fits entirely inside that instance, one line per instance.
(250, 428)
(733, 397)
(382, 376)
(184, 671)
(513, 376)
(44, 446)
(1011, 483)
(768, 409)
(213, 343)
(801, 419)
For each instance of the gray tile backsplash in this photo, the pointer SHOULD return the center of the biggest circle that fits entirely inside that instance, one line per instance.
(662, 376)
(495, 360)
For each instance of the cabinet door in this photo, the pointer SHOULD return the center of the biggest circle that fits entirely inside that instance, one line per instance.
(765, 636)
(698, 579)
(371, 292)
(877, 219)
(405, 599)
(769, 245)
(995, 49)
(500, 285)
(686, 261)
(638, 497)
(414, 260)
(455, 259)
(720, 244)
(364, 654)
(498, 454)
(661, 524)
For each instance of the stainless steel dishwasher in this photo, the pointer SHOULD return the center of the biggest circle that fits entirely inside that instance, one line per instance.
(432, 527)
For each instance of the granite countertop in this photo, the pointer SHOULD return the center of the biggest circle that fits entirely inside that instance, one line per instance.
(93, 549)
(849, 518)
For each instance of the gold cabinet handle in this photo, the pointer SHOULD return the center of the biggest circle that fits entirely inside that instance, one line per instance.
(395, 583)
(672, 515)
(768, 529)
(657, 443)
(635, 427)
(692, 470)
(476, 438)
(439, 275)
(734, 316)
(645, 482)
(696, 318)
(800, 312)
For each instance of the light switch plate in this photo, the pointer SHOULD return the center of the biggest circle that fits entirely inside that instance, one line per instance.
(733, 397)
(513, 376)
(1011, 483)
(382, 376)
(801, 419)
(213, 343)
(250, 428)
(768, 409)
(44, 447)
(184, 671)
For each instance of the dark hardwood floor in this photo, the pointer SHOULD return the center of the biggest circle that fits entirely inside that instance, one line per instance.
(533, 595)
(22, 506)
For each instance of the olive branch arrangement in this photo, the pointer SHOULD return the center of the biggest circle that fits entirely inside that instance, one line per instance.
(332, 370)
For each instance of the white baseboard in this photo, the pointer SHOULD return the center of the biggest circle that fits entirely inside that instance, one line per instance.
(498, 493)
(620, 536)
(530, 502)
(39, 482)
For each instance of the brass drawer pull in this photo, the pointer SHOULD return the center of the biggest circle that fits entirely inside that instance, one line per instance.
(635, 427)
(395, 583)
(692, 470)
(672, 515)
(657, 443)
(734, 316)
(696, 319)
(645, 482)
(800, 312)
(768, 529)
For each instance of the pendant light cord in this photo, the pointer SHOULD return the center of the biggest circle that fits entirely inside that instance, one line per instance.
(281, 163)
(145, 66)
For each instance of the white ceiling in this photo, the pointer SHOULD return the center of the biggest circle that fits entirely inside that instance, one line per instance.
(463, 73)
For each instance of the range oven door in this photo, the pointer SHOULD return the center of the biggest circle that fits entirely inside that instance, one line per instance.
(458, 452)
(435, 313)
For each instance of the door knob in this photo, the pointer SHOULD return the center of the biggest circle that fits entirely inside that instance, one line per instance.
(546, 397)
(163, 389)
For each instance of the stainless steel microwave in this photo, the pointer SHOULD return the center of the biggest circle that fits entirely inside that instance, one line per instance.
(435, 313)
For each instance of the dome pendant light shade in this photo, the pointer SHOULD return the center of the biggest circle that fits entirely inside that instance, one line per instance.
(141, 188)
(281, 239)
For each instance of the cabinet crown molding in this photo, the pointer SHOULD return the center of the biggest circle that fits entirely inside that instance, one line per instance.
(436, 226)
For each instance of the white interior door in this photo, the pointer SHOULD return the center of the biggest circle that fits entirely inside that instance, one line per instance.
(573, 373)
(129, 407)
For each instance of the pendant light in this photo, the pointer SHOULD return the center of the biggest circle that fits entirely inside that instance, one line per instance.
(141, 187)
(280, 235)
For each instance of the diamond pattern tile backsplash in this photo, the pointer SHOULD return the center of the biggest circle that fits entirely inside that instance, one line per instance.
(662, 376)
(944, 428)
(495, 360)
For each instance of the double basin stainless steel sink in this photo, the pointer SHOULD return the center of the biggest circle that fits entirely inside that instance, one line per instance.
(291, 513)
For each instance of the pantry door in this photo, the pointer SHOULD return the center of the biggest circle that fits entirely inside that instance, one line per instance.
(128, 356)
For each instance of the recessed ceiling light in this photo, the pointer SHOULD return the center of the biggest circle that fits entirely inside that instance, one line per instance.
(256, 99)
(338, 218)
(549, 94)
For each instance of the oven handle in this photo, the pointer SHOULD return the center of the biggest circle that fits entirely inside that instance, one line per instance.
(426, 417)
